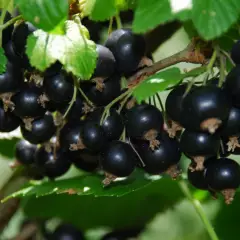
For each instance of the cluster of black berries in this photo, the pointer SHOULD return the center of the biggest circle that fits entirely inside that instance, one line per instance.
(66, 231)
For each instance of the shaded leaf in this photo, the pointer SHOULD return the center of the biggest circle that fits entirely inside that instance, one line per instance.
(3, 61)
(157, 83)
(74, 50)
(44, 14)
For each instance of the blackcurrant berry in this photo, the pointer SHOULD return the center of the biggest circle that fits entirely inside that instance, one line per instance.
(235, 53)
(7, 32)
(70, 137)
(118, 159)
(105, 62)
(76, 111)
(67, 232)
(232, 85)
(53, 164)
(27, 102)
(8, 121)
(127, 48)
(59, 88)
(93, 136)
(20, 35)
(206, 108)
(25, 152)
(232, 126)
(197, 179)
(224, 175)
(11, 55)
(86, 160)
(111, 90)
(199, 146)
(12, 79)
(41, 131)
(53, 70)
(144, 121)
(162, 159)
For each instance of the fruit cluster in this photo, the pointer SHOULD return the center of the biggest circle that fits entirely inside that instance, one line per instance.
(102, 126)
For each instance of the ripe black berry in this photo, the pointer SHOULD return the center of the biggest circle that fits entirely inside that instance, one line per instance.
(224, 175)
(27, 102)
(127, 48)
(199, 146)
(162, 159)
(25, 152)
(118, 159)
(205, 108)
(59, 88)
(53, 70)
(20, 35)
(12, 79)
(111, 90)
(86, 160)
(11, 55)
(8, 121)
(41, 131)
(52, 164)
(235, 53)
(7, 32)
(197, 179)
(93, 136)
(144, 121)
(67, 232)
(105, 62)
(232, 85)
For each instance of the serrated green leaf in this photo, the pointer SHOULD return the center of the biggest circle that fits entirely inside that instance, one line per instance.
(74, 50)
(84, 185)
(214, 17)
(151, 13)
(3, 61)
(157, 83)
(44, 14)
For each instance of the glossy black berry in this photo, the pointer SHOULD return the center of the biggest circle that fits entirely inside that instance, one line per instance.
(76, 111)
(52, 165)
(7, 32)
(232, 85)
(197, 179)
(20, 35)
(232, 126)
(12, 79)
(118, 159)
(162, 158)
(105, 63)
(67, 232)
(111, 90)
(53, 70)
(141, 119)
(27, 102)
(86, 160)
(199, 143)
(235, 52)
(25, 152)
(59, 88)
(42, 129)
(206, 108)
(127, 48)
(173, 104)
(11, 55)
(93, 136)
(8, 121)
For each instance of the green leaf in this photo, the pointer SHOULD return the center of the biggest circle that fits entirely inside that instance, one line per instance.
(84, 185)
(99, 10)
(157, 83)
(151, 13)
(74, 50)
(3, 61)
(114, 212)
(44, 14)
(214, 17)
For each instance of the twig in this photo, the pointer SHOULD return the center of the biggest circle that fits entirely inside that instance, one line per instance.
(85, 97)
(222, 70)
(10, 22)
(118, 21)
(72, 102)
(189, 55)
(197, 205)
(110, 26)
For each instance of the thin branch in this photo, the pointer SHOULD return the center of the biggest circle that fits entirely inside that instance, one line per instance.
(10, 22)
